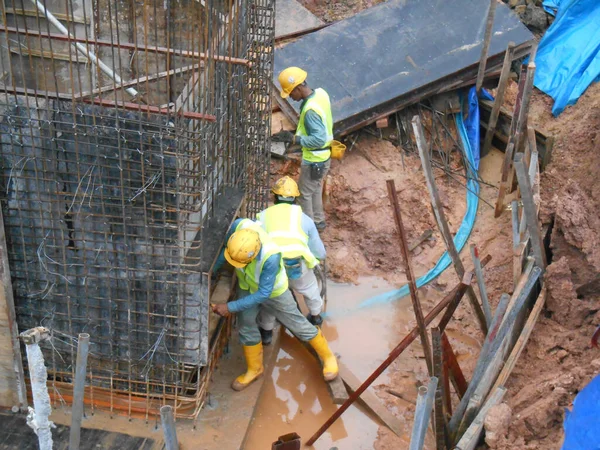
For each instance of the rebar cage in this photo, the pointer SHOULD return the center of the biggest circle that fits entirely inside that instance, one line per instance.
(125, 126)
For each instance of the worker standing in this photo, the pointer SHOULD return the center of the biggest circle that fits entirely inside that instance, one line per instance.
(314, 134)
(301, 247)
(263, 283)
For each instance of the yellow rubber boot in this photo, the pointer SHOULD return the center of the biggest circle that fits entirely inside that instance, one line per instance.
(330, 366)
(254, 361)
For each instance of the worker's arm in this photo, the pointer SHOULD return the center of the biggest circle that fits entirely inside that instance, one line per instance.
(221, 258)
(265, 286)
(315, 244)
(316, 131)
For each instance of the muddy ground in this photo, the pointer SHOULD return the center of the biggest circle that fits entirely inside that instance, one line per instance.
(361, 240)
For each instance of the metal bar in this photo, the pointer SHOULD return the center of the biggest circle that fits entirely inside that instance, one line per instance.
(487, 310)
(168, 426)
(458, 294)
(129, 46)
(149, 109)
(422, 414)
(438, 372)
(486, 45)
(393, 196)
(95, 60)
(63, 17)
(83, 347)
(530, 213)
(458, 379)
(441, 218)
(403, 345)
(495, 113)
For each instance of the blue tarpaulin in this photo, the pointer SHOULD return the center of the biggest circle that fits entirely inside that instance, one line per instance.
(582, 425)
(468, 129)
(568, 57)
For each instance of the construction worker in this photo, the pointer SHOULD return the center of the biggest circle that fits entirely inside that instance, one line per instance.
(301, 247)
(263, 283)
(314, 134)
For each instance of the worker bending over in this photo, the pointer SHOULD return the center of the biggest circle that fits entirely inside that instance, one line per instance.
(301, 247)
(314, 134)
(263, 283)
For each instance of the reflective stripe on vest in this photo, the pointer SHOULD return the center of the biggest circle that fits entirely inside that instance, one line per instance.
(320, 104)
(249, 276)
(283, 223)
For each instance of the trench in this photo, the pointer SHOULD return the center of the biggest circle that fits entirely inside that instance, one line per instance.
(295, 399)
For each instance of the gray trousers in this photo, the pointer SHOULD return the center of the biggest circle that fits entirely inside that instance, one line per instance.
(311, 192)
(285, 311)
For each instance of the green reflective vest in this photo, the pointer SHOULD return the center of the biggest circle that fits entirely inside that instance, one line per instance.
(319, 103)
(283, 223)
(249, 276)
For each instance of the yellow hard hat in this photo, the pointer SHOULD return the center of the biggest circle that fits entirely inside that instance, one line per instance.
(290, 78)
(286, 187)
(242, 247)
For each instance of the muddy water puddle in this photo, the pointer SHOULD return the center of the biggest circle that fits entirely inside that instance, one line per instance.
(294, 397)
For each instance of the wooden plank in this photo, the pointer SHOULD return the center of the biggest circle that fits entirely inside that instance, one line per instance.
(336, 387)
(470, 438)
(418, 241)
(37, 14)
(530, 212)
(371, 401)
(511, 362)
(438, 371)
(441, 218)
(491, 127)
(487, 310)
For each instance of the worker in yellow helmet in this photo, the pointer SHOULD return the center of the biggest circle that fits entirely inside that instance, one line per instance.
(263, 283)
(314, 134)
(301, 247)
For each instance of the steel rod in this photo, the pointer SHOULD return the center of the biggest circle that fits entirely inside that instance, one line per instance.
(393, 196)
(487, 309)
(441, 218)
(168, 426)
(438, 372)
(83, 347)
(397, 351)
(422, 414)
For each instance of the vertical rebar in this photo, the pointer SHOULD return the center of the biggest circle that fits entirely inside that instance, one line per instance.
(422, 414)
(83, 346)
(168, 426)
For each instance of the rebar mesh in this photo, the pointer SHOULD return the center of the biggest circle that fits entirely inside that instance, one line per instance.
(121, 135)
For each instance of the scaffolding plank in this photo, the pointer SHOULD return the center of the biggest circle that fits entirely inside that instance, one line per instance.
(291, 17)
(411, 49)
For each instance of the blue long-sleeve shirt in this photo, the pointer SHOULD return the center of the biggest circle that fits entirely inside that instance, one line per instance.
(266, 281)
(315, 244)
(316, 132)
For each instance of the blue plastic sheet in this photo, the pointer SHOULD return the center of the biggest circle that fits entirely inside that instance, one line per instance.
(568, 57)
(582, 425)
(468, 129)
(551, 6)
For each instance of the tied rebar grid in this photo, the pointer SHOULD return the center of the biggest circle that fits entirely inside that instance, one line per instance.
(120, 136)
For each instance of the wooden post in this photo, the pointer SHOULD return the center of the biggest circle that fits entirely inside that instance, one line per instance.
(438, 371)
(487, 310)
(491, 128)
(486, 45)
(14, 393)
(412, 285)
(530, 212)
(441, 218)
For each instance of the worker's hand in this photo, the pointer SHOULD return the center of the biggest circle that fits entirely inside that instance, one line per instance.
(283, 136)
(221, 309)
(293, 148)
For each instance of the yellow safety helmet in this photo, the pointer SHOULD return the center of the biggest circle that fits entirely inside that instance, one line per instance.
(286, 187)
(242, 247)
(290, 78)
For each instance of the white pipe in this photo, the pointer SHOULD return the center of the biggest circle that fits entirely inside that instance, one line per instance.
(82, 48)
(38, 415)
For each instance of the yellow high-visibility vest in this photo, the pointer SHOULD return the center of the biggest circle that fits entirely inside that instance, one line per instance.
(320, 104)
(283, 223)
(249, 276)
